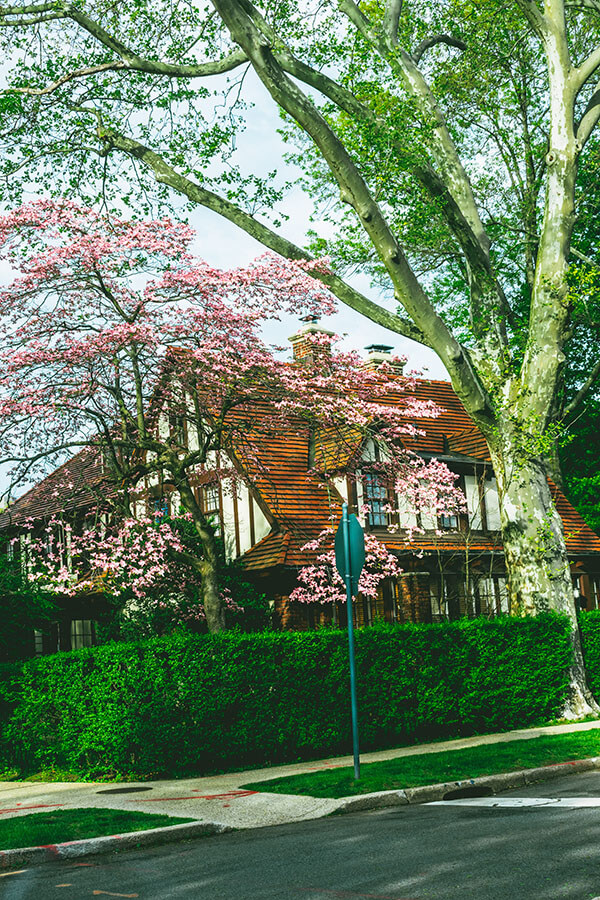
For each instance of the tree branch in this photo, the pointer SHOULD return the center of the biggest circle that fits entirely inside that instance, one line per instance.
(437, 39)
(391, 19)
(354, 191)
(129, 59)
(77, 73)
(165, 174)
(534, 16)
(582, 393)
(443, 146)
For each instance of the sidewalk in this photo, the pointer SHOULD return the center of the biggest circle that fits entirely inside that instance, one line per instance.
(220, 799)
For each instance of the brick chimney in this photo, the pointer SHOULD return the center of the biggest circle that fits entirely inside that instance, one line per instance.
(311, 344)
(382, 353)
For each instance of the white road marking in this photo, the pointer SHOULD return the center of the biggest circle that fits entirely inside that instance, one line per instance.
(521, 802)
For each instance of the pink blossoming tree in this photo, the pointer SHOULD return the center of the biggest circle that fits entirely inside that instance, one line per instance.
(115, 338)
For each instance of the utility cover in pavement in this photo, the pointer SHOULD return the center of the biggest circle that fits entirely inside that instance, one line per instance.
(125, 790)
(522, 802)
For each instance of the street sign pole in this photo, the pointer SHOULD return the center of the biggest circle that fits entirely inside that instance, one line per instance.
(348, 581)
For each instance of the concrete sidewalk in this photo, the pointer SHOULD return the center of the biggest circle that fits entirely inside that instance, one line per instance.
(220, 799)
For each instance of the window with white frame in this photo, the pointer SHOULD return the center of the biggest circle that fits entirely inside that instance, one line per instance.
(210, 499)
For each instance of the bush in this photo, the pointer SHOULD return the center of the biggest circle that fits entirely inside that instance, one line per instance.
(189, 703)
(589, 624)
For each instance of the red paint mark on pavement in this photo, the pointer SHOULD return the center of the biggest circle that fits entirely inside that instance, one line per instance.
(229, 795)
(109, 894)
(51, 847)
(37, 806)
(163, 799)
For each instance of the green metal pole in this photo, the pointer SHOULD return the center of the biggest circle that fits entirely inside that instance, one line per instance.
(348, 580)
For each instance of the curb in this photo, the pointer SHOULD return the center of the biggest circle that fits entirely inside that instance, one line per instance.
(378, 800)
(89, 846)
(431, 793)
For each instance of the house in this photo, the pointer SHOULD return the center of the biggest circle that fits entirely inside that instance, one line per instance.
(454, 568)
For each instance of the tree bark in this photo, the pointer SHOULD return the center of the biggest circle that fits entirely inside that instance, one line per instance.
(211, 595)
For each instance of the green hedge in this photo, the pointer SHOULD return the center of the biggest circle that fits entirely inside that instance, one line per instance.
(202, 703)
(589, 624)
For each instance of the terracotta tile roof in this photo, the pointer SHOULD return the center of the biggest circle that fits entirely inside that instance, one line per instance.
(469, 443)
(580, 538)
(68, 487)
(268, 553)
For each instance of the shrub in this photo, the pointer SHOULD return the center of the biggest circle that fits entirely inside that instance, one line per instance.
(189, 703)
(589, 624)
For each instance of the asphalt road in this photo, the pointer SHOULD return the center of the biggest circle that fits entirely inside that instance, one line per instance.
(433, 852)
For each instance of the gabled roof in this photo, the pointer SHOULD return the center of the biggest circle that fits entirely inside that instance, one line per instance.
(68, 487)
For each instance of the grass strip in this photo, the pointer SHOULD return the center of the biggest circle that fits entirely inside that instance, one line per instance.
(434, 768)
(39, 829)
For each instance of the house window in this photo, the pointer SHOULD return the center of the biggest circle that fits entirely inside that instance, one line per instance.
(448, 523)
(177, 429)
(38, 639)
(377, 499)
(82, 633)
(210, 499)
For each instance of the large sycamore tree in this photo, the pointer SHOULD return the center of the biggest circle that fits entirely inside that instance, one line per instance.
(449, 142)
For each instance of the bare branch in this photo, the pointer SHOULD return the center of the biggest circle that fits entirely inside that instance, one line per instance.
(444, 148)
(584, 72)
(77, 73)
(437, 39)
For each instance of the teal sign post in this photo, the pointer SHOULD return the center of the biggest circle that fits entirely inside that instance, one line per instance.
(349, 561)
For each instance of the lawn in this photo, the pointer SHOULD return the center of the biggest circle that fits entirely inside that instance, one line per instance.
(434, 768)
(74, 824)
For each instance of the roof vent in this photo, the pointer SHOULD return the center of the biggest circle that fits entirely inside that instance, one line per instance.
(382, 353)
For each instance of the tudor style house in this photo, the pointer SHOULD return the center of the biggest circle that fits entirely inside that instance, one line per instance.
(454, 568)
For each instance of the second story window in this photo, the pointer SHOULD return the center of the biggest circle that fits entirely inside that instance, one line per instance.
(377, 499)
(177, 429)
(210, 499)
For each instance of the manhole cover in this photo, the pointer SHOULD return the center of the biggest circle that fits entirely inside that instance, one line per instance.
(124, 790)
(469, 791)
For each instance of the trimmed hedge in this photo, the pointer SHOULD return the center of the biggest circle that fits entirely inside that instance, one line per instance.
(203, 703)
(589, 625)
